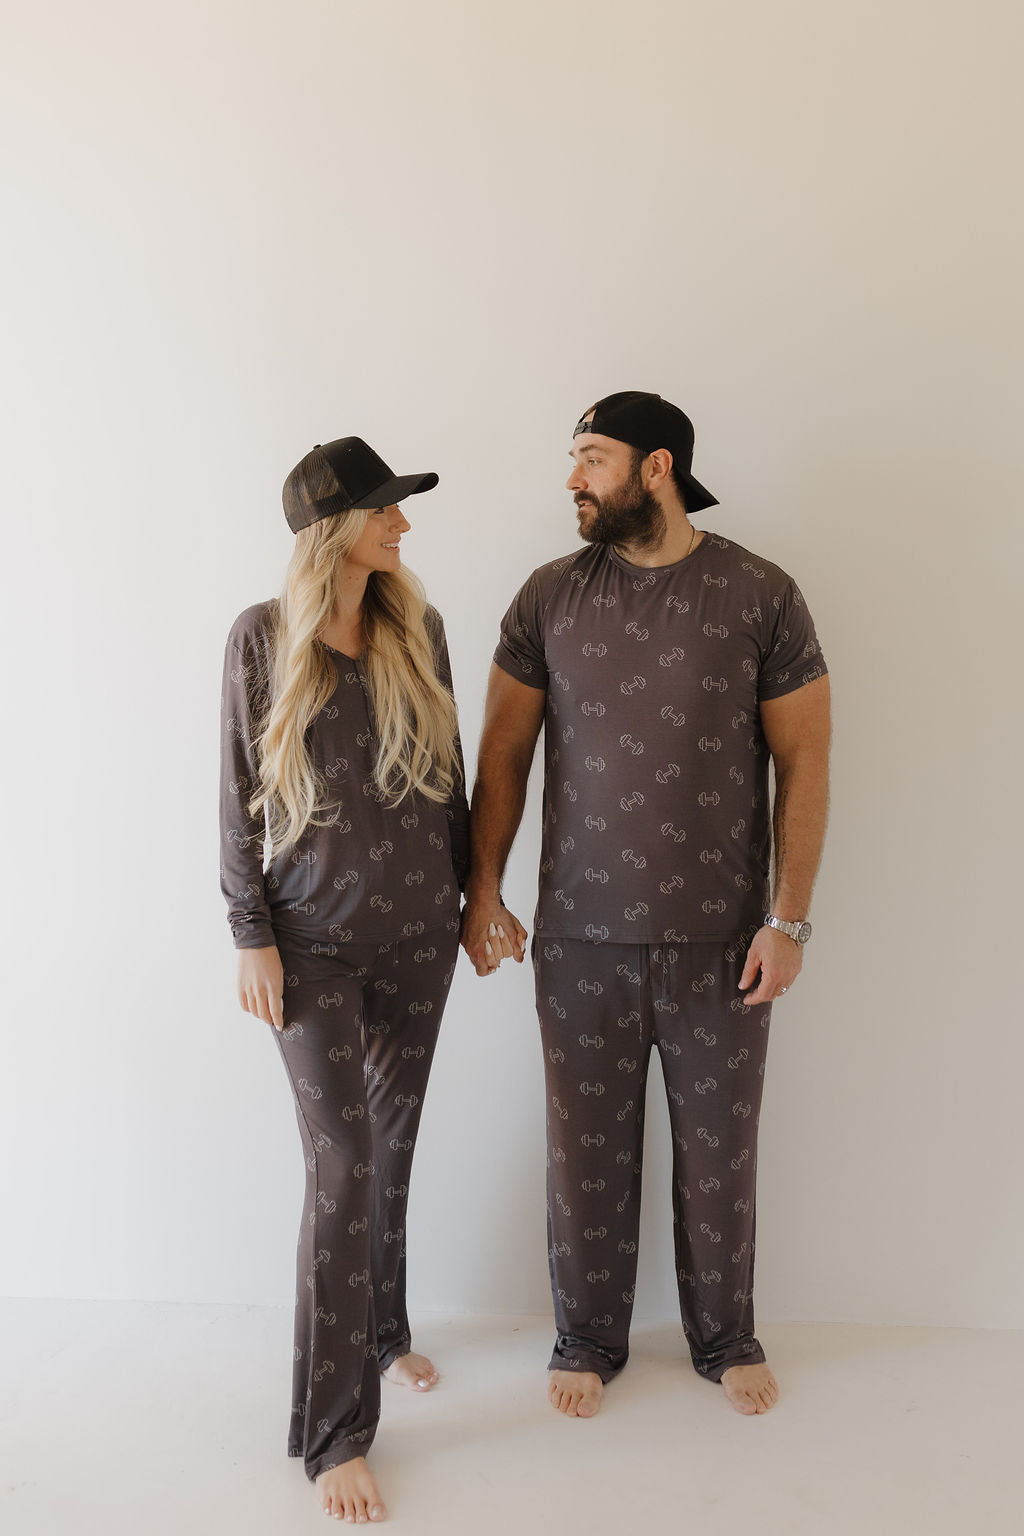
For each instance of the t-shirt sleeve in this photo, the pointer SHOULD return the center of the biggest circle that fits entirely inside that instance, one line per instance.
(520, 650)
(792, 656)
(241, 833)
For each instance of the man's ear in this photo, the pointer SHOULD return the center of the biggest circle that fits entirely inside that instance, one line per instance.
(657, 469)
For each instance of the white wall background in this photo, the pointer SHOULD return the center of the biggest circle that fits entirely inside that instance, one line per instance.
(236, 229)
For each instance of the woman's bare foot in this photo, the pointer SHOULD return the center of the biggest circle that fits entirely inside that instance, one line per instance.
(750, 1388)
(350, 1493)
(414, 1371)
(575, 1393)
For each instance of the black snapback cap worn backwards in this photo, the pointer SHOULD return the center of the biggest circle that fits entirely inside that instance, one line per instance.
(648, 422)
(362, 479)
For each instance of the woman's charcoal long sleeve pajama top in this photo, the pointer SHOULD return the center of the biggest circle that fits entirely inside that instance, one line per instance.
(371, 872)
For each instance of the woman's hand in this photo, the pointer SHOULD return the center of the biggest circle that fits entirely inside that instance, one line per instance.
(261, 984)
(491, 934)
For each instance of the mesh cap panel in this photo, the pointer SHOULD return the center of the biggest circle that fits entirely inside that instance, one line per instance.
(312, 491)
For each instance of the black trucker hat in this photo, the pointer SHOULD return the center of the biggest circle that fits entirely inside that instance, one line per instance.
(648, 422)
(360, 476)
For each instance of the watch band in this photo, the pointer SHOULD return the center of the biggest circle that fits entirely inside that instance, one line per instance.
(799, 932)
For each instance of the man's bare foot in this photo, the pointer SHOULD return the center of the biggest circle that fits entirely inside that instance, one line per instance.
(575, 1393)
(414, 1371)
(751, 1388)
(350, 1493)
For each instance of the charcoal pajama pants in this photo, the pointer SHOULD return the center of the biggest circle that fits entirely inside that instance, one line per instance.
(361, 1022)
(602, 1007)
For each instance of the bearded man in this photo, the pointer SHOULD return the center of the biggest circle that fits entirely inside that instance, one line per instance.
(668, 666)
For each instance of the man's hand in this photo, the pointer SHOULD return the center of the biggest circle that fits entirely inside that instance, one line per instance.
(491, 934)
(778, 958)
(261, 984)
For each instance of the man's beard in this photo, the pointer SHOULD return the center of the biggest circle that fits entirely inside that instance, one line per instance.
(629, 516)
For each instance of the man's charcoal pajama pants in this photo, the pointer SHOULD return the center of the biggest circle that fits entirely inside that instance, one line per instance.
(602, 1007)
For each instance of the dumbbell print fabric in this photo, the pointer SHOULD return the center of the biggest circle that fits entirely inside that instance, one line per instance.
(656, 818)
(375, 871)
(603, 1008)
(359, 1037)
(654, 873)
(365, 913)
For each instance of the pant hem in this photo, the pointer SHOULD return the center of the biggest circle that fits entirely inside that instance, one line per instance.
(346, 1449)
(394, 1352)
(585, 1362)
(713, 1367)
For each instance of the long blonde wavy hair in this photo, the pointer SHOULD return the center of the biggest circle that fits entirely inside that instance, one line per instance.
(414, 714)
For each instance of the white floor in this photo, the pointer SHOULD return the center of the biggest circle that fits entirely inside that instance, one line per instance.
(141, 1418)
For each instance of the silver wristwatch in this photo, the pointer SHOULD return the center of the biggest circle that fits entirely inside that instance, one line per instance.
(798, 932)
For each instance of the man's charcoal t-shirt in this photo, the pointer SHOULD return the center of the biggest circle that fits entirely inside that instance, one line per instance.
(656, 815)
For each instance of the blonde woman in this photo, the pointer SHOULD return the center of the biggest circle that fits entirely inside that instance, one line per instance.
(341, 753)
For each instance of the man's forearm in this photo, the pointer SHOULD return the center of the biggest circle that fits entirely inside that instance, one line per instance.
(499, 797)
(799, 817)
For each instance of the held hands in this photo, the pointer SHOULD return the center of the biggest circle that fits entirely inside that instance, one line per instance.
(491, 934)
(261, 984)
(778, 958)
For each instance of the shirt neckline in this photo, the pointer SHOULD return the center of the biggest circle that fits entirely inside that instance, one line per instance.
(355, 660)
(657, 570)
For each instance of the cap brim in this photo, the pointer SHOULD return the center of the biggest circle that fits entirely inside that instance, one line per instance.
(397, 488)
(696, 496)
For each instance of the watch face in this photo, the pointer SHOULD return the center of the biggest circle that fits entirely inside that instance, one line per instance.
(804, 933)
